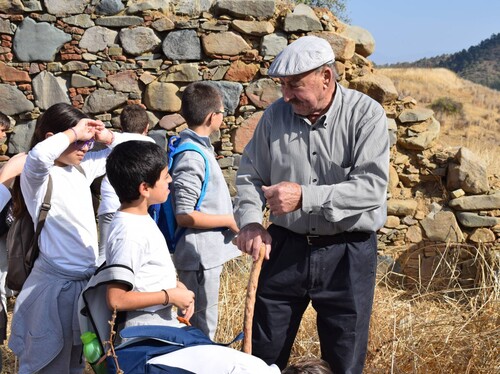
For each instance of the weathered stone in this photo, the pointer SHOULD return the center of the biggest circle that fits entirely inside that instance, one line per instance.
(98, 38)
(38, 41)
(302, 18)
(78, 81)
(96, 72)
(470, 174)
(11, 6)
(65, 7)
(6, 27)
(241, 72)
(393, 178)
(263, 92)
(163, 24)
(418, 114)
(20, 138)
(414, 234)
(482, 235)
(81, 20)
(242, 135)
(457, 193)
(365, 43)
(109, 66)
(224, 43)
(479, 202)
(423, 140)
(442, 227)
(273, 44)
(102, 100)
(32, 6)
(342, 47)
(469, 219)
(214, 25)
(182, 45)
(401, 208)
(13, 101)
(377, 86)
(171, 121)
(139, 40)
(119, 21)
(75, 66)
(253, 27)
(192, 8)
(125, 81)
(392, 222)
(183, 73)
(49, 90)
(152, 64)
(231, 92)
(163, 97)
(135, 6)
(11, 74)
(109, 7)
(261, 9)
(147, 78)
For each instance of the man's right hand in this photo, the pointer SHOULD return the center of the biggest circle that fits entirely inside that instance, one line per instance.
(251, 237)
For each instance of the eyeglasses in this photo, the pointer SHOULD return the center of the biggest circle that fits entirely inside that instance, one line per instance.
(80, 144)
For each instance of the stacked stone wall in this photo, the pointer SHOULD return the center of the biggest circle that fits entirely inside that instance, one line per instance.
(100, 55)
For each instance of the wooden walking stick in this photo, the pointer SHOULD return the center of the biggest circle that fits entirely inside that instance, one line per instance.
(253, 282)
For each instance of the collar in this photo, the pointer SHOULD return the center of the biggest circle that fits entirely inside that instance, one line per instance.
(190, 134)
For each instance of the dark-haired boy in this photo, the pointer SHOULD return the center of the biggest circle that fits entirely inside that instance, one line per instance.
(204, 247)
(4, 125)
(134, 123)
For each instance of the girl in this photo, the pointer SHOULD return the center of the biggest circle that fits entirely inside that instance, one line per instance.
(45, 333)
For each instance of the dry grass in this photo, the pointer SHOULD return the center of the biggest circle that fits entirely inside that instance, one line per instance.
(477, 128)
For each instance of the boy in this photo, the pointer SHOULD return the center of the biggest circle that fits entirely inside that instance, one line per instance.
(134, 122)
(205, 246)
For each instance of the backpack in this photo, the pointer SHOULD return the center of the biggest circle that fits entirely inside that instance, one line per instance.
(22, 243)
(163, 214)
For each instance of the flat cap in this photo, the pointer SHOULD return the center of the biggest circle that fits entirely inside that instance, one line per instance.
(303, 55)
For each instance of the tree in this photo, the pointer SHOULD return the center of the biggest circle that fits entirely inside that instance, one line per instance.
(338, 7)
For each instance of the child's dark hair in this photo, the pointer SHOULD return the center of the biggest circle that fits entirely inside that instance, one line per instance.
(308, 366)
(4, 122)
(134, 162)
(58, 118)
(134, 118)
(199, 99)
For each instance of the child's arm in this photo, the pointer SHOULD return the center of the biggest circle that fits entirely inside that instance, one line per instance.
(199, 220)
(119, 297)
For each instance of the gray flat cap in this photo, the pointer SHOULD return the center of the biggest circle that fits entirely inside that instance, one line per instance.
(303, 55)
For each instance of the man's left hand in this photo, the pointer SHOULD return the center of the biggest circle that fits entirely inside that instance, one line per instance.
(284, 197)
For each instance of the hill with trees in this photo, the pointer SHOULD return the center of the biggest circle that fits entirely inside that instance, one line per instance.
(479, 64)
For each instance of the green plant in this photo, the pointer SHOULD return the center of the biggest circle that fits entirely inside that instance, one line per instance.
(447, 105)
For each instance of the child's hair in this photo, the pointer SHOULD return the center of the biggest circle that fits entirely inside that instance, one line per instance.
(4, 122)
(308, 366)
(199, 99)
(134, 118)
(58, 118)
(134, 162)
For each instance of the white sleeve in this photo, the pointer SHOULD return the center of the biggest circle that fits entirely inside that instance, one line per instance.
(4, 196)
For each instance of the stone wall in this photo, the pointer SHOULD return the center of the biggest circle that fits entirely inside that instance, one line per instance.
(100, 55)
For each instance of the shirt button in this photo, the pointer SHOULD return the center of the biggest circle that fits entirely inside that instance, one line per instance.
(310, 212)
(315, 153)
(315, 180)
(313, 229)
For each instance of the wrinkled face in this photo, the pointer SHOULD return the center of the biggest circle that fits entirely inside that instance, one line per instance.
(159, 192)
(307, 93)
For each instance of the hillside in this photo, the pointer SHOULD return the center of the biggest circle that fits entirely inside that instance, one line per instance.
(479, 64)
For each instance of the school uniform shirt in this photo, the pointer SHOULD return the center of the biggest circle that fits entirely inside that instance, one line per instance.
(4, 196)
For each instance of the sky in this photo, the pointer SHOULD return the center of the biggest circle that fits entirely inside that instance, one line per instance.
(408, 30)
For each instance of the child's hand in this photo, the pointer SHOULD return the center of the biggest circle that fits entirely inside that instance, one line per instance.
(104, 135)
(182, 298)
(86, 128)
(233, 226)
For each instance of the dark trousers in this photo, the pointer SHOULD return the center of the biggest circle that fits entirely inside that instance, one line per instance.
(337, 276)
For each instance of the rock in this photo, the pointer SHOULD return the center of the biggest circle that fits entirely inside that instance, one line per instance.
(11, 6)
(183, 73)
(102, 100)
(78, 81)
(273, 44)
(241, 72)
(163, 24)
(302, 18)
(49, 90)
(231, 92)
(125, 81)
(253, 27)
(418, 114)
(343, 47)
(393, 178)
(263, 92)
(192, 8)
(6, 27)
(119, 21)
(422, 140)
(392, 222)
(38, 41)
(442, 227)
(479, 202)
(139, 40)
(469, 219)
(109, 7)
(98, 38)
(136, 6)
(75, 66)
(81, 20)
(182, 45)
(171, 121)
(365, 43)
(224, 43)
(32, 6)
(162, 96)
(401, 208)
(13, 101)
(378, 87)
(261, 9)
(469, 173)
(482, 235)
(457, 193)
(65, 7)
(11, 74)
(20, 138)
(414, 234)
(160, 137)
(242, 135)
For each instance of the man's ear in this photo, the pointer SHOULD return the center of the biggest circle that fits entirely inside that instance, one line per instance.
(327, 76)
(48, 134)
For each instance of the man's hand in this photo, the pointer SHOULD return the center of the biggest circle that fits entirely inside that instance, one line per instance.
(251, 237)
(284, 197)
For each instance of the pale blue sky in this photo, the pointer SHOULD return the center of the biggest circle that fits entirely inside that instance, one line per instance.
(407, 30)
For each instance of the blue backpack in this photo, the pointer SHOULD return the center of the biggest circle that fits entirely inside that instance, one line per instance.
(164, 214)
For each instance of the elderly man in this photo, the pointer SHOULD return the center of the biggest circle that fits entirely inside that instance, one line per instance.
(319, 158)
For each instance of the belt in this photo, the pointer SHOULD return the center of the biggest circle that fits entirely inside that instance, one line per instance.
(324, 240)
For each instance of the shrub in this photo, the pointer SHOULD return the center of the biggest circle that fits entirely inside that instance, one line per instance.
(447, 105)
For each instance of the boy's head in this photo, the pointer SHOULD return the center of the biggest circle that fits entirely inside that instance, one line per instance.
(137, 165)
(4, 125)
(134, 118)
(199, 101)
(308, 366)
